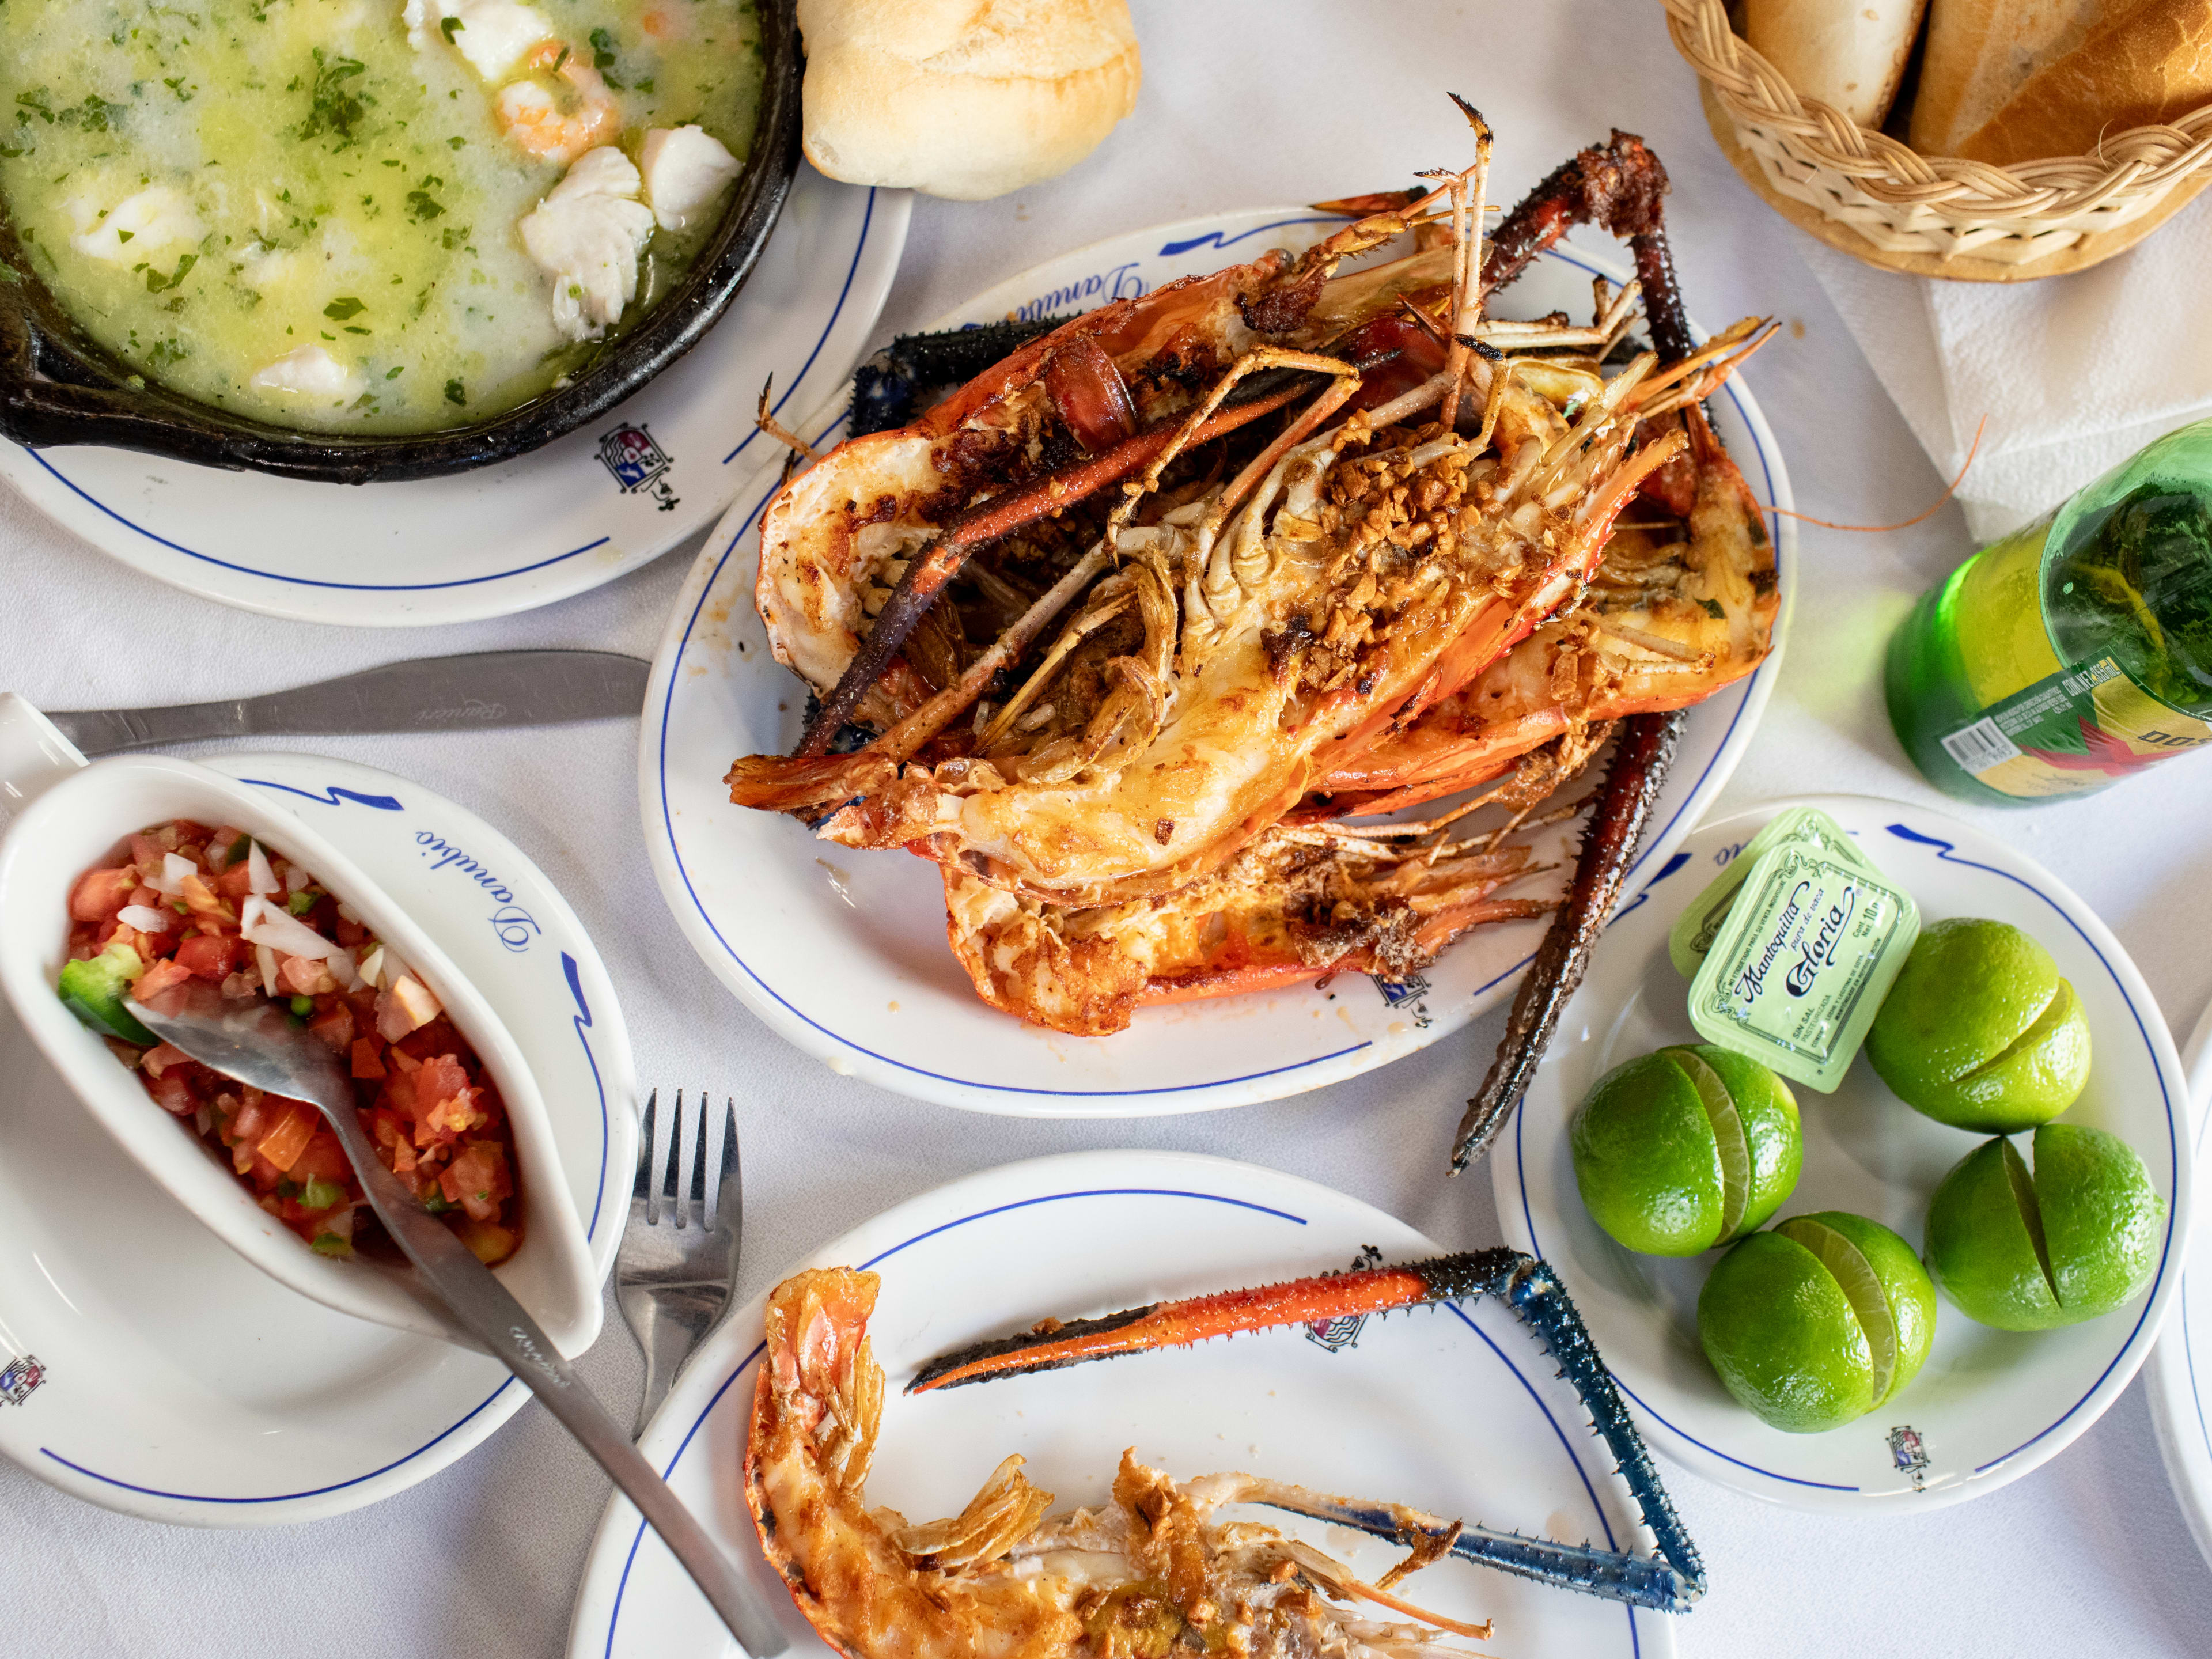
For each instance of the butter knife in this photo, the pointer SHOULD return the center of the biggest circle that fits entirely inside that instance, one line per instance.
(424, 694)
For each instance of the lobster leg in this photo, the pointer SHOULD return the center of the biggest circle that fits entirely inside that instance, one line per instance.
(1632, 782)
(1670, 1581)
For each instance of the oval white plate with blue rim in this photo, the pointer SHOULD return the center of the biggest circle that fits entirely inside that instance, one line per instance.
(1989, 1405)
(1454, 1410)
(2179, 1376)
(844, 954)
(145, 1367)
(580, 512)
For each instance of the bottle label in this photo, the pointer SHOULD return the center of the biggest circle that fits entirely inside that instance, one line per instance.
(2078, 730)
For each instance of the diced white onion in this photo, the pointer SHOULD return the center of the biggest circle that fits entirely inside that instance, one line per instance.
(146, 919)
(346, 912)
(264, 924)
(260, 879)
(343, 972)
(294, 878)
(371, 967)
(170, 878)
(265, 960)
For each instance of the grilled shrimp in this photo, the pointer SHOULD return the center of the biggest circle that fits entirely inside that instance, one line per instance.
(559, 107)
(1147, 1573)
(1671, 616)
(1297, 903)
(1352, 590)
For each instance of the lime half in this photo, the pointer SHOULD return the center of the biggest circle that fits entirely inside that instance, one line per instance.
(1854, 1275)
(1727, 1135)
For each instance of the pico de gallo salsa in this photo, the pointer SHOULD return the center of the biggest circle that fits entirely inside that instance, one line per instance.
(183, 901)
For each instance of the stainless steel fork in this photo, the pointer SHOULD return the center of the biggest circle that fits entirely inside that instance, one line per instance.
(679, 1261)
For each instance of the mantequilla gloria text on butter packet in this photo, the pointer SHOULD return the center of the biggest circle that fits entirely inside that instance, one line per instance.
(1803, 962)
(1699, 925)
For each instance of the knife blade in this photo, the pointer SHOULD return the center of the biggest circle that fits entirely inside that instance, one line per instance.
(424, 694)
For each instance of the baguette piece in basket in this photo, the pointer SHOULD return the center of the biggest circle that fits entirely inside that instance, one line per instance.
(2144, 66)
(1980, 52)
(1850, 54)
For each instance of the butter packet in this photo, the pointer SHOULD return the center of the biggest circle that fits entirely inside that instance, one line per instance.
(1802, 960)
(1698, 926)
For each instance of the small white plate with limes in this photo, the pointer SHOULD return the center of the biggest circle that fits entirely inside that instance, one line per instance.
(1988, 1405)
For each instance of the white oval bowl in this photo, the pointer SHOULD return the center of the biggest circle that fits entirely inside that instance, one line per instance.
(70, 829)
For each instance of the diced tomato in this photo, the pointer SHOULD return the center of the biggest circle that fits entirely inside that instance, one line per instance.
(158, 1060)
(146, 852)
(282, 1144)
(476, 1179)
(250, 1120)
(305, 976)
(162, 976)
(174, 1092)
(334, 1024)
(142, 894)
(349, 933)
(325, 1159)
(201, 900)
(100, 892)
(235, 883)
(210, 957)
(399, 1090)
(366, 1064)
(442, 1078)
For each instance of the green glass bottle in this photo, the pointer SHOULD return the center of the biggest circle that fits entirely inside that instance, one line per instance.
(2076, 651)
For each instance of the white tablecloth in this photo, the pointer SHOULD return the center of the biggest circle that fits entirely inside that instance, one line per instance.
(1260, 101)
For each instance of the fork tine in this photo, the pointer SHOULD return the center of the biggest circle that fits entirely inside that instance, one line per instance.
(666, 1147)
(729, 1185)
(643, 1185)
(682, 1160)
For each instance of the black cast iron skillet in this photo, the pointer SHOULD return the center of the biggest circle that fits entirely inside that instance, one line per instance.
(60, 387)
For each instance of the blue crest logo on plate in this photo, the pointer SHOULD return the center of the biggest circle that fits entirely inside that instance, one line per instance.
(19, 1377)
(1343, 1331)
(1907, 1452)
(638, 462)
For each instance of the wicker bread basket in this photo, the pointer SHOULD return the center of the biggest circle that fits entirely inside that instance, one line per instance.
(1870, 196)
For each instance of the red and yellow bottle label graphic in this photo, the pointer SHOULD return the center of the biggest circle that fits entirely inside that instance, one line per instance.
(2076, 731)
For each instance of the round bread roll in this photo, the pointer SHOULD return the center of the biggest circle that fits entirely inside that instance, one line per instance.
(966, 99)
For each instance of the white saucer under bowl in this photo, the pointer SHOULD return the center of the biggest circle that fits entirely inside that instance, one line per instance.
(581, 511)
(843, 953)
(1989, 1405)
(1456, 1410)
(144, 1366)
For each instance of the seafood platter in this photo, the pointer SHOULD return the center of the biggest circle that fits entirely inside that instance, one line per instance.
(1209, 665)
(1148, 909)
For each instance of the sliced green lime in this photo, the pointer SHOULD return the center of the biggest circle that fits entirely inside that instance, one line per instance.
(2031, 1210)
(1861, 1288)
(1728, 1132)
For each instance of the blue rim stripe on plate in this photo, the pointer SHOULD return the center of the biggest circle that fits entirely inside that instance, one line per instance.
(582, 1020)
(668, 1472)
(282, 1497)
(1740, 690)
(866, 219)
(1948, 852)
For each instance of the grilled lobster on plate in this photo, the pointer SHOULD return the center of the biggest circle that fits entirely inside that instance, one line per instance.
(1123, 631)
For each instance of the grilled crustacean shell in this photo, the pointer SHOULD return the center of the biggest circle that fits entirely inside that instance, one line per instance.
(1370, 615)
(1146, 1574)
(1294, 903)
